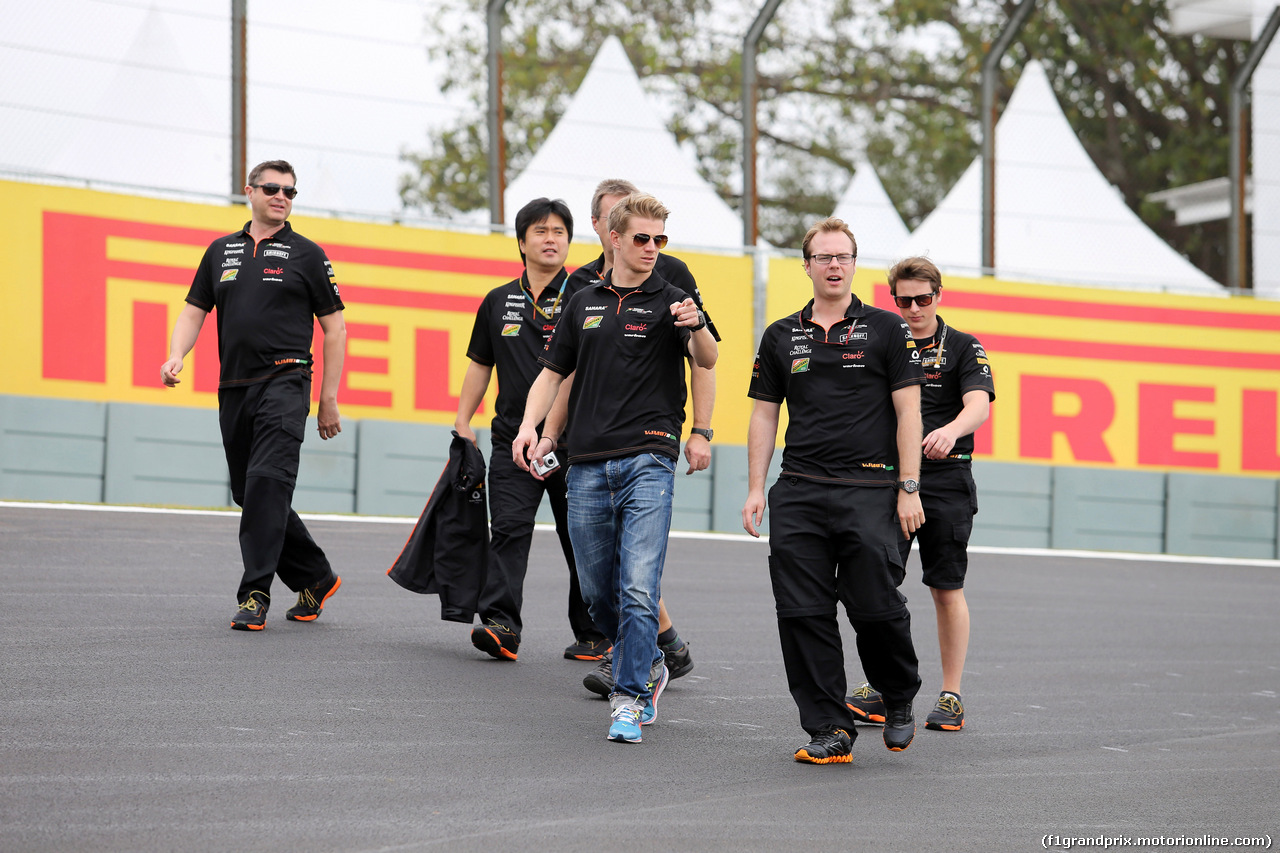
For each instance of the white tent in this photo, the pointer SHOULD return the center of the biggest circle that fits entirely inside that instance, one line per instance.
(1057, 217)
(610, 130)
(871, 215)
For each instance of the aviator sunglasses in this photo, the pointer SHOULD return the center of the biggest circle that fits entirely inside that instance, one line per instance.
(921, 300)
(289, 192)
(642, 240)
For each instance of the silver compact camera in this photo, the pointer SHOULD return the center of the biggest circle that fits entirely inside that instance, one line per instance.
(544, 465)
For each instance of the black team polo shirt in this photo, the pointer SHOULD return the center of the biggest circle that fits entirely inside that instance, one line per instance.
(265, 296)
(511, 333)
(673, 270)
(837, 385)
(628, 393)
(954, 364)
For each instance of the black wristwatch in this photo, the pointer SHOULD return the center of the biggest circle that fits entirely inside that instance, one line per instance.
(908, 486)
(705, 433)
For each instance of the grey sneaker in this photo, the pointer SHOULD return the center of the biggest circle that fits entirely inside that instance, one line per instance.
(600, 679)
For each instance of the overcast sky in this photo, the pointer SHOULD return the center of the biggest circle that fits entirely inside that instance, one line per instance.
(138, 92)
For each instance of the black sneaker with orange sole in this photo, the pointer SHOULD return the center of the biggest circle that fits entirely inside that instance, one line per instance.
(252, 614)
(867, 705)
(947, 715)
(588, 648)
(311, 599)
(829, 746)
(496, 640)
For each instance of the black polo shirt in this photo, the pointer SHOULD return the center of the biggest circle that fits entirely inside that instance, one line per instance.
(954, 364)
(511, 333)
(673, 270)
(838, 389)
(628, 393)
(265, 295)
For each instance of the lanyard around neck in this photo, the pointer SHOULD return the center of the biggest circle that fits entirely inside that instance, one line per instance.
(546, 315)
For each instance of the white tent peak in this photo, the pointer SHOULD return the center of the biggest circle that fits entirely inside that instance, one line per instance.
(870, 213)
(611, 130)
(1057, 217)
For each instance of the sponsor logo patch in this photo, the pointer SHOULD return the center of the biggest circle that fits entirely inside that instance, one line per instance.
(234, 251)
(592, 322)
(511, 330)
(800, 365)
(511, 315)
(853, 336)
(229, 275)
(273, 271)
(231, 262)
(275, 253)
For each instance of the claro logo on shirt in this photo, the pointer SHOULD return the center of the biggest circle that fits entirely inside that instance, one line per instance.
(511, 330)
(800, 365)
(592, 322)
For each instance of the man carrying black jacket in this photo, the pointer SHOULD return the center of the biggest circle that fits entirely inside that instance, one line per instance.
(511, 329)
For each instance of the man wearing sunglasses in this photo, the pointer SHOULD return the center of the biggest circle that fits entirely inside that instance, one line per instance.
(956, 400)
(510, 332)
(267, 282)
(625, 341)
(850, 376)
(702, 386)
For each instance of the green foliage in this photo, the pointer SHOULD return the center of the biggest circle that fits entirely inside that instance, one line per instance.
(897, 82)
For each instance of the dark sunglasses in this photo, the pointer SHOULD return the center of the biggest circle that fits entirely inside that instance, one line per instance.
(921, 300)
(642, 240)
(272, 189)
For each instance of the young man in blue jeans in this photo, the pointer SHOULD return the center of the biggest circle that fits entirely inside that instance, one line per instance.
(623, 340)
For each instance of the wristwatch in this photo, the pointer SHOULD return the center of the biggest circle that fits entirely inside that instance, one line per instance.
(908, 486)
(705, 433)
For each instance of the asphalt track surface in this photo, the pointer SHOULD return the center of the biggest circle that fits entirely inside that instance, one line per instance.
(1105, 697)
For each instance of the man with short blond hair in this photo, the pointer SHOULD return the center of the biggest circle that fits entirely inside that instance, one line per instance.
(955, 401)
(624, 340)
(702, 388)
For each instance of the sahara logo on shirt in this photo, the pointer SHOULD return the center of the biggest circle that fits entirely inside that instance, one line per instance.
(592, 322)
(511, 330)
(228, 275)
(800, 365)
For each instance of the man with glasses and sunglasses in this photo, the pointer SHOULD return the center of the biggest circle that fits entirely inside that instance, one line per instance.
(267, 282)
(848, 494)
(625, 341)
(956, 400)
(511, 330)
(702, 387)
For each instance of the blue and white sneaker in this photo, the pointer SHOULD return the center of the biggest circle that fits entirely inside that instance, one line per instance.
(626, 720)
(658, 678)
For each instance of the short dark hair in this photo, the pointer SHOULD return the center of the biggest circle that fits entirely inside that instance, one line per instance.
(915, 269)
(537, 211)
(273, 165)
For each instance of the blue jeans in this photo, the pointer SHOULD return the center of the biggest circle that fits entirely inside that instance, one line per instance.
(619, 519)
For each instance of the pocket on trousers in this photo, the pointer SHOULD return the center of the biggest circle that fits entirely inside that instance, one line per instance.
(664, 462)
(961, 531)
(897, 568)
(293, 426)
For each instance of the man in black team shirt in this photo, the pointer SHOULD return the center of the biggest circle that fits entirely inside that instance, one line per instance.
(625, 341)
(511, 330)
(851, 377)
(266, 283)
(702, 383)
(956, 400)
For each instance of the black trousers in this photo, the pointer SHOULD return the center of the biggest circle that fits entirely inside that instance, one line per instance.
(514, 497)
(262, 429)
(829, 544)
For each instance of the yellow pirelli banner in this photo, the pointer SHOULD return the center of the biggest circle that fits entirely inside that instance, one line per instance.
(93, 282)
